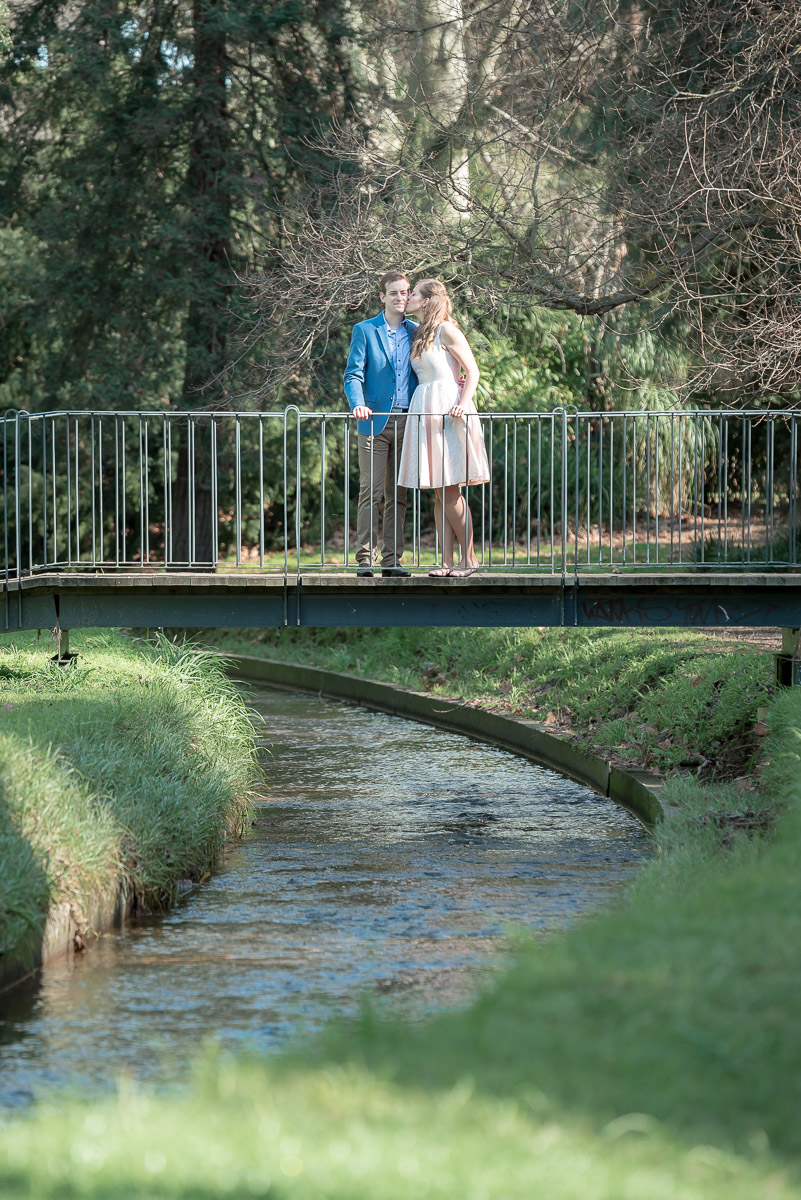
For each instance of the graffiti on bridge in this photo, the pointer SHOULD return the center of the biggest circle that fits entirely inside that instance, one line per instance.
(639, 610)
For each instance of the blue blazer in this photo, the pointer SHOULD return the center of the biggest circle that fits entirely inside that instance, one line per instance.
(370, 372)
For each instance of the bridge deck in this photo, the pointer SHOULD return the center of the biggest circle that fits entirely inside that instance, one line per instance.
(176, 600)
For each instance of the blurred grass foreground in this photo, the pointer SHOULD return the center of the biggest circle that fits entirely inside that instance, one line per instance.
(651, 1051)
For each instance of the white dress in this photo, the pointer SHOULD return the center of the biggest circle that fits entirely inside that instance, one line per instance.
(438, 450)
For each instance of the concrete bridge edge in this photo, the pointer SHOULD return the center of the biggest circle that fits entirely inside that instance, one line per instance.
(636, 791)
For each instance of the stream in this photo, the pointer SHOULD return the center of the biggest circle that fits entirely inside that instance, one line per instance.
(387, 858)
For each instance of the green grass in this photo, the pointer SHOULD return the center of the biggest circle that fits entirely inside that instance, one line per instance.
(129, 768)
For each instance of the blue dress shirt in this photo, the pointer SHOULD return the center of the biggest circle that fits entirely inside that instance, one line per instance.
(400, 346)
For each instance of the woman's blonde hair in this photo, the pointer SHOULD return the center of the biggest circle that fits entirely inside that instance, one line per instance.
(438, 309)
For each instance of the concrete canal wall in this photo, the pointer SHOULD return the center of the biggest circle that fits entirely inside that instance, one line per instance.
(635, 790)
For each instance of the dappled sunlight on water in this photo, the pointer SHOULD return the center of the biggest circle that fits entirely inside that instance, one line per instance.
(386, 857)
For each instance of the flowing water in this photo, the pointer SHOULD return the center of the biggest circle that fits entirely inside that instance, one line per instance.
(386, 858)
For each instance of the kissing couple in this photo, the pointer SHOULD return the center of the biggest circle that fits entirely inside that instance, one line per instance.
(410, 384)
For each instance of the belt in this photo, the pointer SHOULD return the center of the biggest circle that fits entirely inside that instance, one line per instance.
(397, 409)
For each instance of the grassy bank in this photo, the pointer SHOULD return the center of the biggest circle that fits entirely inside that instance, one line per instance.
(679, 703)
(652, 1051)
(128, 769)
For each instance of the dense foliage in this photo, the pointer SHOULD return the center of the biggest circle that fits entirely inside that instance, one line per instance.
(142, 150)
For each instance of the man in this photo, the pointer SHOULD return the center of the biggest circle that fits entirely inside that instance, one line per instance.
(378, 385)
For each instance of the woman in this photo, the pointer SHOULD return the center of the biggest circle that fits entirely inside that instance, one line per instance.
(443, 447)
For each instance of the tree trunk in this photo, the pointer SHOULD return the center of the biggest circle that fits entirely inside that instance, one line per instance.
(208, 190)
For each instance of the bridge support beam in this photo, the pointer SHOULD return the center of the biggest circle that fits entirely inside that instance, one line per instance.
(159, 599)
(788, 661)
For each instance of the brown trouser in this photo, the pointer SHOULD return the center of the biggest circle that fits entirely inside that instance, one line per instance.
(379, 459)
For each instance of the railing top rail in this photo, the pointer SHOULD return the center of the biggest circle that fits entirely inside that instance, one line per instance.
(12, 415)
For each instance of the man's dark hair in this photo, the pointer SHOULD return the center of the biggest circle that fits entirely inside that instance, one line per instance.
(391, 277)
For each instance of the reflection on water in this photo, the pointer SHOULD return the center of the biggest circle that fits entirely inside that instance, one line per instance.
(386, 856)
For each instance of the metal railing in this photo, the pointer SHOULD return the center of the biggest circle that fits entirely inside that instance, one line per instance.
(568, 491)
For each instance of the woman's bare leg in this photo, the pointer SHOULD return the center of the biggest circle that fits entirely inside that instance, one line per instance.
(445, 534)
(457, 516)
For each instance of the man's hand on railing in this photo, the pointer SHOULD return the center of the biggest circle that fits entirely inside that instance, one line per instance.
(362, 413)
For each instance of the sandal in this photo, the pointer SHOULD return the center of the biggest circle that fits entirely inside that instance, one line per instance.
(461, 572)
(440, 572)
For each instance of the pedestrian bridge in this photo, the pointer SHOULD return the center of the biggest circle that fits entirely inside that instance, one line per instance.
(246, 519)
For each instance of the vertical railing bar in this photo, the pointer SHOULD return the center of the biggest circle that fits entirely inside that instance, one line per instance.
(261, 495)
(743, 442)
(576, 488)
(703, 490)
(147, 492)
(648, 489)
(55, 498)
(45, 559)
(611, 487)
(215, 475)
(514, 491)
(484, 491)
(600, 490)
(539, 485)
(467, 418)
(30, 493)
(656, 487)
(625, 482)
(695, 491)
(238, 488)
(672, 483)
(725, 483)
(171, 487)
(505, 492)
(116, 490)
(792, 531)
(750, 485)
(191, 540)
(681, 484)
(720, 484)
(298, 485)
(92, 491)
(77, 495)
(141, 497)
(372, 453)
(634, 490)
(322, 491)
(124, 524)
(528, 492)
(165, 479)
(286, 503)
(491, 488)
(100, 483)
(347, 490)
(7, 568)
(771, 434)
(552, 487)
(589, 460)
(18, 500)
(564, 493)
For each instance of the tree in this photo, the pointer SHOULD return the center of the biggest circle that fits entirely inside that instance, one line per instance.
(144, 148)
(640, 156)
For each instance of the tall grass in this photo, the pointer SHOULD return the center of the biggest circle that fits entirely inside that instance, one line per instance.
(128, 769)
